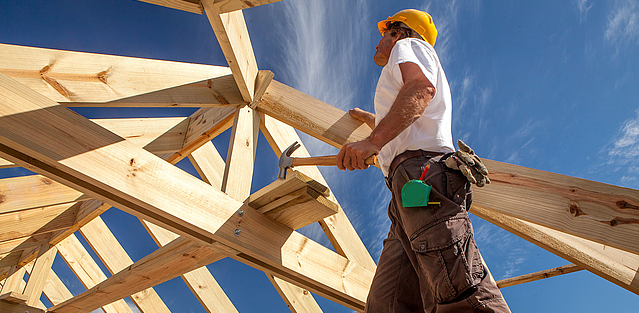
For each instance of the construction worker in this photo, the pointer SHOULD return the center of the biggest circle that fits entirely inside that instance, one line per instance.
(430, 262)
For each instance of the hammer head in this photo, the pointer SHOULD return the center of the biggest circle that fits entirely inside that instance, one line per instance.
(286, 161)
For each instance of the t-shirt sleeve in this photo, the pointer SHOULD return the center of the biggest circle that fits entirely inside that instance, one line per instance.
(408, 50)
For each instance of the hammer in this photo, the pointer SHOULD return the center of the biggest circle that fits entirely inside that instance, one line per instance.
(287, 161)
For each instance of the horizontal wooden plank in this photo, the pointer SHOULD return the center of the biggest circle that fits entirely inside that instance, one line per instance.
(111, 169)
(27, 192)
(595, 211)
(78, 77)
(299, 208)
(526, 278)
(215, 92)
(294, 181)
(31, 222)
(24, 243)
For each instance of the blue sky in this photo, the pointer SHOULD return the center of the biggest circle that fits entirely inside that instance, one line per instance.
(551, 85)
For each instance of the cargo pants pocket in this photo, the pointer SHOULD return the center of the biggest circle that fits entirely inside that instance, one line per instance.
(449, 258)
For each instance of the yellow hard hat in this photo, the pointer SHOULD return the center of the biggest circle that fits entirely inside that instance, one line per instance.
(419, 21)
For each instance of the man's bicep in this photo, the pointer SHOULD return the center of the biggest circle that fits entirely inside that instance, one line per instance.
(413, 74)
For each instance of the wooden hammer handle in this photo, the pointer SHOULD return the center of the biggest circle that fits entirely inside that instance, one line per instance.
(329, 160)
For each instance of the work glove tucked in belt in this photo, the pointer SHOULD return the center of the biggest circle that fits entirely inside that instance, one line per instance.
(469, 164)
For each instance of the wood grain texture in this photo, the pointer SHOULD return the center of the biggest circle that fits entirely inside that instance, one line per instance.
(87, 270)
(298, 300)
(595, 211)
(54, 289)
(240, 159)
(27, 223)
(337, 227)
(156, 135)
(34, 191)
(233, 37)
(115, 258)
(209, 164)
(177, 257)
(39, 274)
(617, 266)
(9, 307)
(522, 279)
(109, 168)
(78, 77)
(204, 125)
(314, 117)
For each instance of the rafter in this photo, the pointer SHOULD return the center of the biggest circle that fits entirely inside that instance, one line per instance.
(119, 173)
(233, 37)
(115, 258)
(617, 266)
(526, 278)
(88, 79)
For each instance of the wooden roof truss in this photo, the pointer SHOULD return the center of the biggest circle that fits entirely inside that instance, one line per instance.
(86, 166)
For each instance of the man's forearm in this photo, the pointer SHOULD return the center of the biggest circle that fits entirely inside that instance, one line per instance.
(410, 104)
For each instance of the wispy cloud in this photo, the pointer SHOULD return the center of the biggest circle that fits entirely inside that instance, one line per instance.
(583, 6)
(622, 154)
(494, 241)
(623, 24)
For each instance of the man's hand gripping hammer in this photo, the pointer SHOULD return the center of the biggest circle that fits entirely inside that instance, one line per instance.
(287, 161)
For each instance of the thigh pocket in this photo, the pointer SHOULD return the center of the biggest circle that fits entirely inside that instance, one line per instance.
(447, 254)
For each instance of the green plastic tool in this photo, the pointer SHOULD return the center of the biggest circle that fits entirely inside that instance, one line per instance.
(415, 192)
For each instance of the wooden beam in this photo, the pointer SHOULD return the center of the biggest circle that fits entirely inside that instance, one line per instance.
(617, 266)
(209, 164)
(194, 6)
(87, 271)
(298, 300)
(26, 223)
(12, 307)
(39, 274)
(15, 277)
(238, 172)
(34, 191)
(337, 227)
(513, 281)
(299, 208)
(23, 243)
(233, 37)
(184, 5)
(177, 257)
(55, 290)
(156, 135)
(215, 92)
(312, 116)
(204, 125)
(111, 169)
(115, 258)
(595, 211)
(85, 79)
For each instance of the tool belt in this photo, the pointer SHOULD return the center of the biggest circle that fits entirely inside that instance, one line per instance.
(408, 154)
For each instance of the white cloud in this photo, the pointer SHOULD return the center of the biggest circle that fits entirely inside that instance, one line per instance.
(584, 6)
(623, 24)
(625, 148)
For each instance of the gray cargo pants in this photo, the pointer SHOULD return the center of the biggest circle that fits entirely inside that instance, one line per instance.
(430, 262)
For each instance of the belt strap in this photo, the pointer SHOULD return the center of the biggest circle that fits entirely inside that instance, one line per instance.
(408, 154)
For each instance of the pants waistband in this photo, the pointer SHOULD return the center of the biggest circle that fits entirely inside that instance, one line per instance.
(408, 154)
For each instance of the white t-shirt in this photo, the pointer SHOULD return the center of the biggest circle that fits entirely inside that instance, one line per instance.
(432, 131)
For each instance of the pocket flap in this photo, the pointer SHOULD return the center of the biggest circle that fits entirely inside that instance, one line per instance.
(441, 234)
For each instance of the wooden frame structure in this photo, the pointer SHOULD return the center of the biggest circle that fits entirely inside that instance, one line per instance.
(86, 166)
